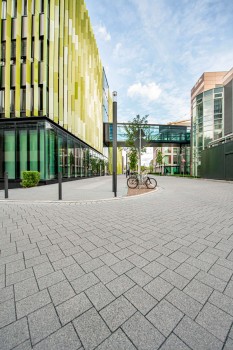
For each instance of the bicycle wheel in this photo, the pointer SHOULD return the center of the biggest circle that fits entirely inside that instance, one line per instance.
(151, 182)
(132, 182)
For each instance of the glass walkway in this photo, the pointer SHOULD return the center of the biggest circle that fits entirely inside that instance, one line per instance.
(155, 135)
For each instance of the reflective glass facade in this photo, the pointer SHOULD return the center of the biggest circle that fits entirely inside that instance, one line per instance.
(207, 123)
(41, 145)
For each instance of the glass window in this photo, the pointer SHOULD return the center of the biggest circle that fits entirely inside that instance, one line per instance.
(9, 147)
(42, 154)
(23, 100)
(217, 105)
(23, 151)
(13, 49)
(33, 150)
(3, 9)
(3, 50)
(24, 7)
(12, 100)
(14, 9)
(24, 48)
(2, 101)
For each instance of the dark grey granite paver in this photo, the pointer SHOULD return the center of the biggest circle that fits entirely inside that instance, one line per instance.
(215, 321)
(15, 266)
(109, 259)
(196, 337)
(99, 295)
(32, 303)
(221, 272)
(154, 269)
(19, 276)
(211, 280)
(122, 267)
(165, 317)
(198, 291)
(105, 274)
(73, 308)
(187, 270)
(25, 288)
(117, 312)
(50, 279)
(137, 260)
(92, 265)
(43, 269)
(64, 339)
(141, 332)
(184, 302)
(24, 346)
(7, 312)
(138, 276)
(14, 334)
(229, 289)
(42, 323)
(117, 341)
(143, 301)
(91, 329)
(6, 294)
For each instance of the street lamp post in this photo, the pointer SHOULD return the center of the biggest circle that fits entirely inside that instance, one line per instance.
(114, 144)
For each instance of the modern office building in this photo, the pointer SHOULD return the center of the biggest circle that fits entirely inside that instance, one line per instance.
(211, 107)
(54, 94)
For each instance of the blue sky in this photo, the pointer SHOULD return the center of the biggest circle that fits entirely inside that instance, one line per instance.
(154, 51)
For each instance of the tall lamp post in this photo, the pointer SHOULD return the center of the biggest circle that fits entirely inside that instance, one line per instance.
(114, 144)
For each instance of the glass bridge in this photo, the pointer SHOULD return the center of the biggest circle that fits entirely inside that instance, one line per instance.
(155, 135)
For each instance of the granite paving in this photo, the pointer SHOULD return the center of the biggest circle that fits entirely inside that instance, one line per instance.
(142, 272)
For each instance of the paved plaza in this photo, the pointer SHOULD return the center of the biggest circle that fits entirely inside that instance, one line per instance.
(147, 272)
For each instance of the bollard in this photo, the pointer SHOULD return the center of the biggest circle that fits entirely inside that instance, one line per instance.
(6, 184)
(60, 186)
(114, 184)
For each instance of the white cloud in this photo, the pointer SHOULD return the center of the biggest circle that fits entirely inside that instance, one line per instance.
(102, 32)
(150, 91)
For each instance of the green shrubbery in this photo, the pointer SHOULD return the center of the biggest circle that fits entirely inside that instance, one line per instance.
(30, 178)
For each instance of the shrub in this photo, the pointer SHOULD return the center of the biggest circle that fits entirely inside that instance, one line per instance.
(30, 178)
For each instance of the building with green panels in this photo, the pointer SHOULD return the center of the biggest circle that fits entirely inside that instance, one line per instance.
(54, 95)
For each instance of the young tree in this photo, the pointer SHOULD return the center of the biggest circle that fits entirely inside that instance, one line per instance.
(133, 134)
(159, 159)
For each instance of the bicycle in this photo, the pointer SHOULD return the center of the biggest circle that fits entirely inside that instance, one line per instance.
(135, 180)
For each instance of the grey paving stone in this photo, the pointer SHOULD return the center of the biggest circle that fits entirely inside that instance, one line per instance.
(205, 256)
(141, 332)
(112, 248)
(42, 323)
(229, 289)
(168, 262)
(73, 308)
(31, 253)
(120, 285)
(117, 312)
(150, 255)
(143, 301)
(221, 272)
(189, 251)
(222, 301)
(184, 303)
(14, 334)
(7, 312)
(36, 261)
(122, 267)
(154, 269)
(202, 265)
(19, 276)
(136, 249)
(123, 253)
(32, 303)
(8, 259)
(84, 282)
(198, 291)
(6, 294)
(174, 343)
(15, 266)
(43, 269)
(215, 321)
(97, 252)
(105, 274)
(2, 281)
(73, 271)
(158, 288)
(64, 338)
(99, 295)
(187, 270)
(196, 337)
(138, 276)
(82, 257)
(72, 251)
(165, 317)
(25, 288)
(137, 260)
(228, 345)
(62, 263)
(117, 341)
(174, 278)
(56, 255)
(24, 346)
(109, 259)
(61, 292)
(51, 279)
(92, 265)
(211, 281)
(91, 329)
(178, 256)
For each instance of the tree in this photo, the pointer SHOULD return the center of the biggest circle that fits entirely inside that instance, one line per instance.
(159, 158)
(132, 131)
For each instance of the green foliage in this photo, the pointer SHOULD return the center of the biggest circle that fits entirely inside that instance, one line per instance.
(30, 178)
(159, 157)
(132, 131)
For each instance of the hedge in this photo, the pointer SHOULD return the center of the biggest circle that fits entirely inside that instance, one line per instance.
(30, 178)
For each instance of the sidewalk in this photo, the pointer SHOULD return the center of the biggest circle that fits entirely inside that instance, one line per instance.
(79, 190)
